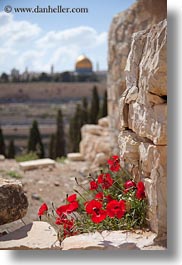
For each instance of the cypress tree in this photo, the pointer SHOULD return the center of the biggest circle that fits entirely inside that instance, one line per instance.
(60, 137)
(76, 123)
(85, 119)
(52, 147)
(11, 149)
(2, 144)
(94, 110)
(35, 142)
(103, 112)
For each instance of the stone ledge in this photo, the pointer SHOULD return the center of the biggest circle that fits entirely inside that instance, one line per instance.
(39, 163)
(112, 240)
(34, 236)
(41, 236)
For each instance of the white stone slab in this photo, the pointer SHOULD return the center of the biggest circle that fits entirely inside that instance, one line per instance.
(33, 164)
(34, 236)
(75, 157)
(112, 240)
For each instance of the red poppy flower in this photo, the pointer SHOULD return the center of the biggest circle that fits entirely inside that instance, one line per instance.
(95, 209)
(72, 207)
(140, 193)
(43, 208)
(99, 216)
(59, 221)
(99, 196)
(93, 185)
(62, 210)
(116, 209)
(105, 180)
(71, 198)
(114, 163)
(129, 184)
(109, 198)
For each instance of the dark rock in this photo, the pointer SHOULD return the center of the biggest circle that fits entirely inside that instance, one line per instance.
(13, 202)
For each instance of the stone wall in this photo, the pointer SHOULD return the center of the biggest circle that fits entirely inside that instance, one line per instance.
(137, 99)
(98, 142)
(143, 118)
(139, 16)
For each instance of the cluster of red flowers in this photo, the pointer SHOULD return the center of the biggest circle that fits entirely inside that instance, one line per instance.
(104, 180)
(62, 213)
(114, 163)
(104, 203)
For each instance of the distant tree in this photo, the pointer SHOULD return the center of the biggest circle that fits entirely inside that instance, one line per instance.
(44, 77)
(52, 147)
(103, 109)
(84, 111)
(2, 144)
(76, 123)
(4, 77)
(11, 149)
(35, 142)
(65, 77)
(60, 136)
(94, 109)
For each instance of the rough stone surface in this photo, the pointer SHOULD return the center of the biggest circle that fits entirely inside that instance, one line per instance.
(138, 17)
(112, 240)
(98, 143)
(34, 236)
(75, 157)
(104, 122)
(39, 163)
(13, 202)
(143, 120)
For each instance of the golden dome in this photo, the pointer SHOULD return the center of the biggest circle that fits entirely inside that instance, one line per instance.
(83, 62)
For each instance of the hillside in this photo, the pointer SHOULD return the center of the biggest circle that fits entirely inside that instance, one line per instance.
(42, 91)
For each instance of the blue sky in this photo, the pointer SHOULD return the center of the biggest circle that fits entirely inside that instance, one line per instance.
(39, 40)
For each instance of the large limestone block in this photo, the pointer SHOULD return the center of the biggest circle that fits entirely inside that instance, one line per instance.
(104, 122)
(34, 236)
(91, 145)
(39, 163)
(13, 202)
(93, 129)
(111, 240)
(149, 122)
(100, 159)
(146, 66)
(153, 66)
(134, 58)
(129, 146)
(151, 157)
(153, 162)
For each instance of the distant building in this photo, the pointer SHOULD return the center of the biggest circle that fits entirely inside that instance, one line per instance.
(15, 75)
(83, 65)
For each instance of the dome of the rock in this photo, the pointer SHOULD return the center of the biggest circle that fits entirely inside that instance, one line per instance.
(83, 64)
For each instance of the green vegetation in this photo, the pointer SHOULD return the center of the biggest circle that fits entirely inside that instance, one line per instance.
(52, 144)
(57, 144)
(61, 159)
(2, 143)
(26, 157)
(14, 174)
(103, 109)
(60, 148)
(35, 142)
(95, 106)
(11, 150)
(76, 123)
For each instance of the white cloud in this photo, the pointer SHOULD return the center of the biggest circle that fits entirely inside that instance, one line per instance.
(14, 32)
(74, 36)
(24, 44)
